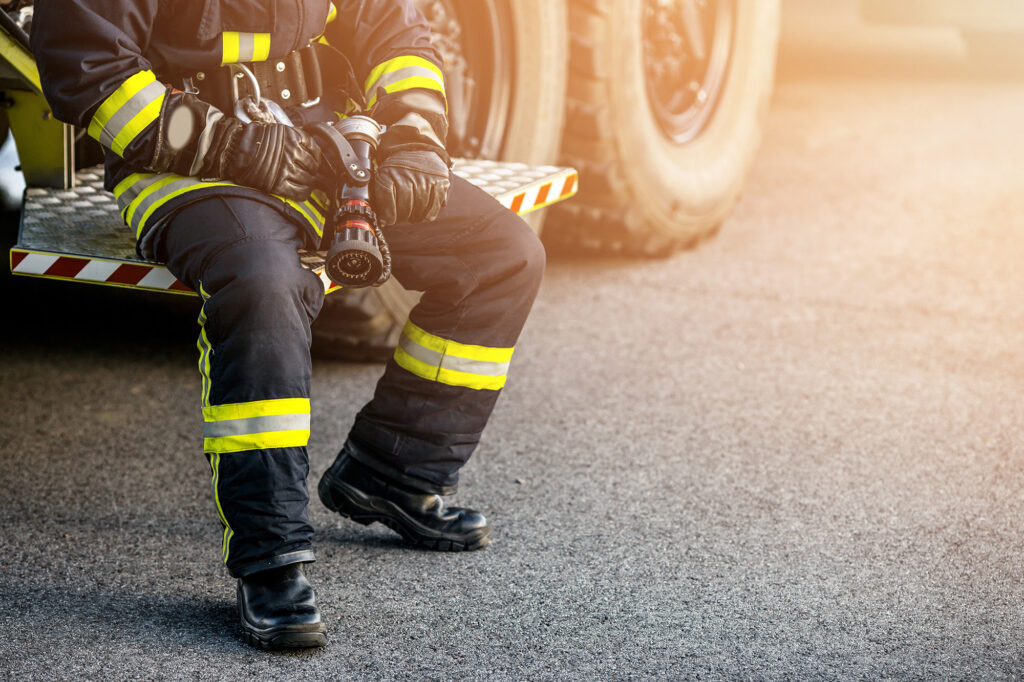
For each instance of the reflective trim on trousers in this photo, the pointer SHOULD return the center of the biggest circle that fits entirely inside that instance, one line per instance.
(140, 195)
(225, 550)
(257, 425)
(435, 358)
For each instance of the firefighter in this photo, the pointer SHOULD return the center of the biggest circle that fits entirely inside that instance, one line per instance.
(222, 189)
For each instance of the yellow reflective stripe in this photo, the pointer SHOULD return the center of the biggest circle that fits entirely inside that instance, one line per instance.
(228, 532)
(129, 110)
(408, 84)
(305, 208)
(229, 47)
(419, 73)
(447, 376)
(124, 186)
(239, 47)
(435, 358)
(257, 408)
(143, 195)
(261, 48)
(143, 119)
(421, 369)
(173, 195)
(147, 192)
(397, 63)
(462, 350)
(140, 195)
(256, 441)
(477, 381)
(118, 99)
(205, 351)
(238, 442)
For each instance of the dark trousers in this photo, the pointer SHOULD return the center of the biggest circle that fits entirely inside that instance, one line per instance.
(479, 266)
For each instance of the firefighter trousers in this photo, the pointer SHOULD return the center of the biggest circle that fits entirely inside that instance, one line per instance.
(479, 267)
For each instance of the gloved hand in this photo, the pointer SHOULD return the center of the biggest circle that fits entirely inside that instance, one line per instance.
(271, 157)
(409, 186)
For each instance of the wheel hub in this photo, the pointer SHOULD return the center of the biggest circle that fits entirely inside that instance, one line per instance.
(687, 47)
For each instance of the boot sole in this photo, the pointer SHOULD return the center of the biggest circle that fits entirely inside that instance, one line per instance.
(357, 506)
(283, 638)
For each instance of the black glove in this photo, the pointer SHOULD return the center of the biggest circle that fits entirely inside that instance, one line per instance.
(411, 183)
(272, 157)
(195, 139)
(410, 186)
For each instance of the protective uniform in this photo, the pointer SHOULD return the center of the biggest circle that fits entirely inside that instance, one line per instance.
(118, 68)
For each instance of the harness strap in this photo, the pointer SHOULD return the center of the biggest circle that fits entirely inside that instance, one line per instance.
(298, 79)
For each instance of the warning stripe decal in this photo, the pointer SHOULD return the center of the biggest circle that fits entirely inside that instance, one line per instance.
(113, 273)
(542, 193)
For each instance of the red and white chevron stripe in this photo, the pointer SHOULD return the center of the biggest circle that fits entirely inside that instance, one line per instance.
(97, 271)
(134, 274)
(541, 193)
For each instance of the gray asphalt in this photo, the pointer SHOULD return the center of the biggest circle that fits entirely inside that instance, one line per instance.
(792, 453)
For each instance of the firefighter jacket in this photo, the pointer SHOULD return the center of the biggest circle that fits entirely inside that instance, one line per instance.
(116, 68)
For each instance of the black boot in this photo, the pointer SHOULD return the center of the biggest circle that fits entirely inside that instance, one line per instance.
(361, 494)
(278, 610)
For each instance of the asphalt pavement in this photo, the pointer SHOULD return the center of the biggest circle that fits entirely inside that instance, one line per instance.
(794, 452)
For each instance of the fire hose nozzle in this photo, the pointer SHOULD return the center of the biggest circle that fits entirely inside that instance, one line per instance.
(358, 255)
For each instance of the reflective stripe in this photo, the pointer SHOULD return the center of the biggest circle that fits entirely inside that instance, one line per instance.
(228, 532)
(332, 14)
(128, 111)
(140, 195)
(403, 73)
(310, 212)
(282, 423)
(205, 348)
(449, 362)
(244, 47)
(241, 427)
(205, 351)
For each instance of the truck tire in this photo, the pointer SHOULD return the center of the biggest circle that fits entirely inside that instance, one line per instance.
(662, 131)
(514, 111)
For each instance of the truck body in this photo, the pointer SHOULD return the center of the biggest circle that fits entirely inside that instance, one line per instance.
(658, 105)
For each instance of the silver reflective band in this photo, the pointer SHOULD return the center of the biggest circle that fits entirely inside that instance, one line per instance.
(159, 196)
(129, 110)
(246, 47)
(452, 362)
(403, 73)
(254, 425)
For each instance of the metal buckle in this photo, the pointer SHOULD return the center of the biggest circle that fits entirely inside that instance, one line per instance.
(252, 107)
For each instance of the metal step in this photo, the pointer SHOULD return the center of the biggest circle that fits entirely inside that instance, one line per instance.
(78, 234)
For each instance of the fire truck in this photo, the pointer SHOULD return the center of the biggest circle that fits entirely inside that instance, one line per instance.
(647, 113)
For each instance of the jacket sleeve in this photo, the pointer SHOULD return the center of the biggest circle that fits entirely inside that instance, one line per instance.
(401, 71)
(94, 75)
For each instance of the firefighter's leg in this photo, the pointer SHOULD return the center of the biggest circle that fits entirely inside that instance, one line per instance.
(479, 266)
(254, 359)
